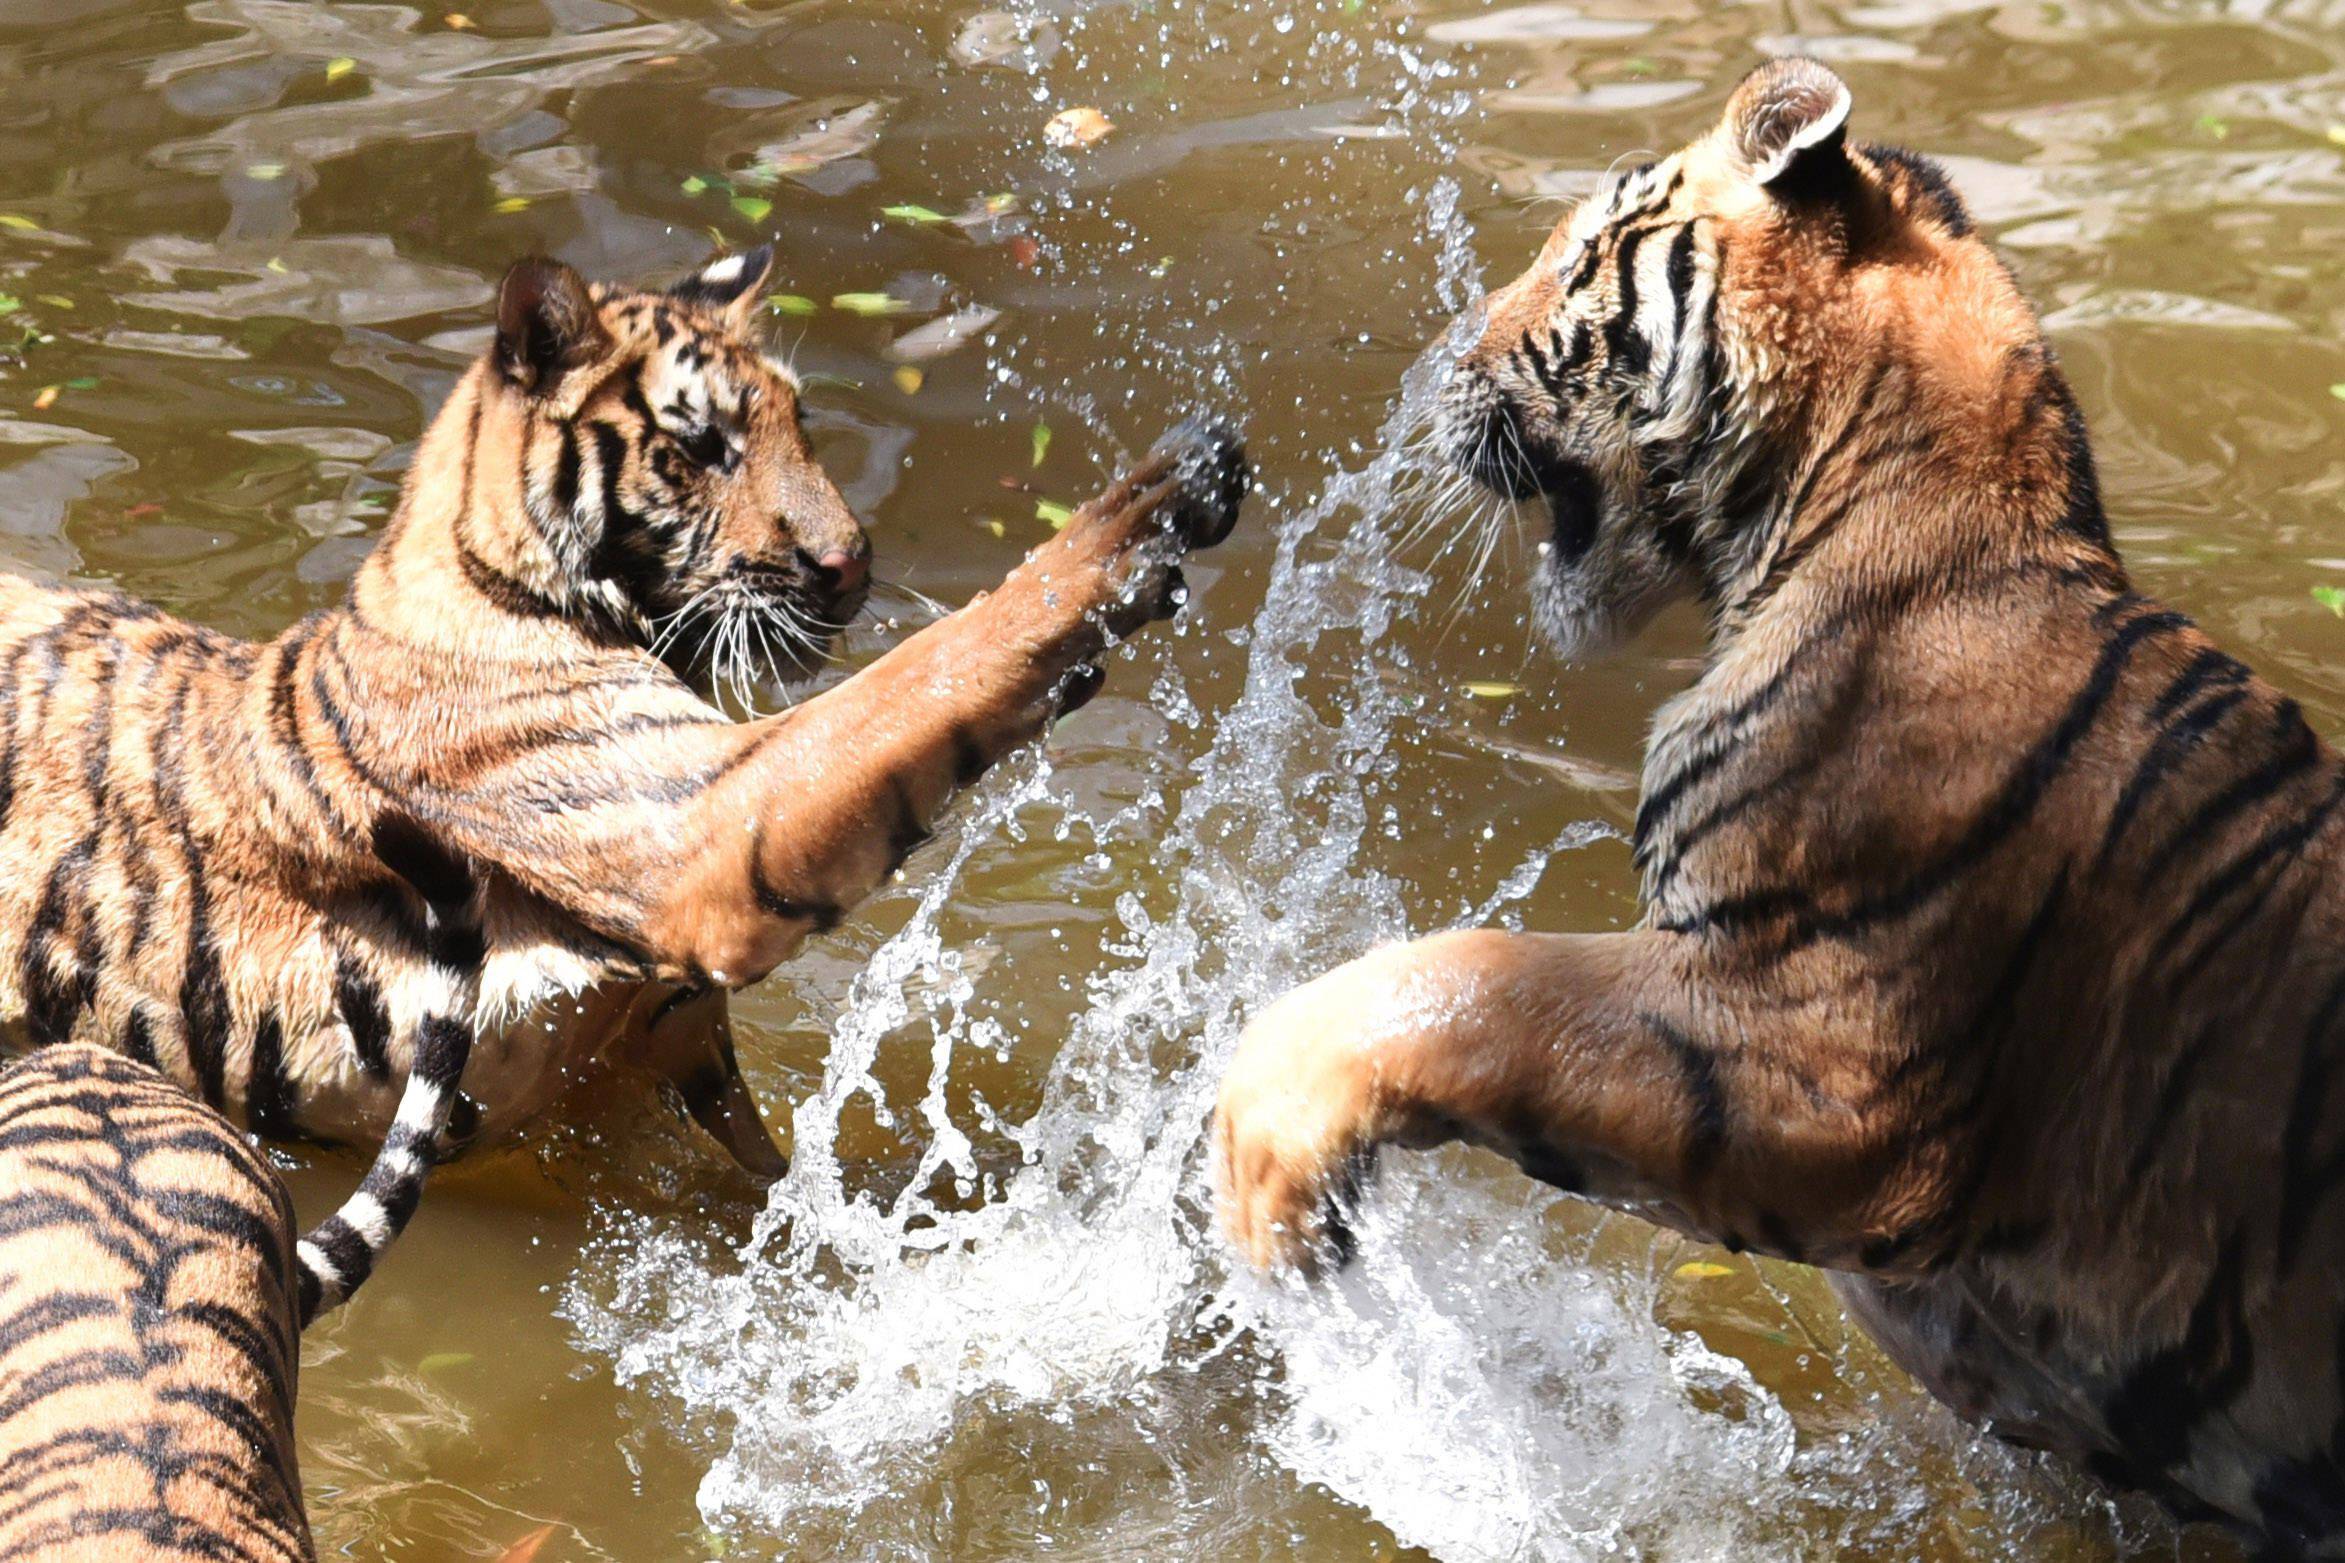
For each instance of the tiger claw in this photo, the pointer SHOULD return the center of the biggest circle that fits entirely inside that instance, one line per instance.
(1208, 460)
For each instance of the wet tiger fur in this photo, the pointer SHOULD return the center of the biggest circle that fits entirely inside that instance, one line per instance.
(149, 1338)
(1994, 947)
(486, 795)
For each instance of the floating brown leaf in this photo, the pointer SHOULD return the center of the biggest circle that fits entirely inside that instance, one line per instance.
(1072, 130)
(527, 1548)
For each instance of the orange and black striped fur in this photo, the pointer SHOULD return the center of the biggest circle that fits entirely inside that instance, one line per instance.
(148, 1325)
(486, 798)
(1994, 953)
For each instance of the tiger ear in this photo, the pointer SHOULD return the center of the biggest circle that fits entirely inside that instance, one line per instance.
(729, 286)
(546, 325)
(1788, 122)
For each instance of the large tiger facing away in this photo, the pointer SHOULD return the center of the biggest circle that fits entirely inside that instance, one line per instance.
(1994, 947)
(486, 796)
(149, 1329)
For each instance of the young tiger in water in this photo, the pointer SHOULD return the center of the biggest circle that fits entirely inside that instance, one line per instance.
(1994, 947)
(485, 795)
(149, 1329)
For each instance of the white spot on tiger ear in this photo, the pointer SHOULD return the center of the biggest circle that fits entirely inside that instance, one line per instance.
(1783, 111)
(723, 271)
(1814, 133)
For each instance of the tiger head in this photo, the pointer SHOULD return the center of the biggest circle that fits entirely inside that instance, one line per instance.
(667, 492)
(1662, 374)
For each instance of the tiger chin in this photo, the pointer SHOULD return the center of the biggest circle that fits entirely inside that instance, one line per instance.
(484, 803)
(1993, 954)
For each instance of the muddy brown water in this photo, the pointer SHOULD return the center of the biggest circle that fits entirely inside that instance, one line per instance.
(245, 245)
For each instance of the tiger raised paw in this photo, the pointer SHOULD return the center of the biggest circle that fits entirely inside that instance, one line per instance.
(1994, 947)
(487, 798)
(150, 1324)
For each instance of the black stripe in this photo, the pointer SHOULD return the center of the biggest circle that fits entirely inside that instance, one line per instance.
(268, 1105)
(1590, 253)
(1725, 731)
(566, 472)
(2172, 1093)
(2279, 845)
(284, 710)
(364, 1015)
(2171, 747)
(514, 598)
(2082, 515)
(138, 1038)
(2022, 789)
(2297, 753)
(203, 1006)
(824, 915)
(2206, 669)
(1706, 1115)
(1624, 344)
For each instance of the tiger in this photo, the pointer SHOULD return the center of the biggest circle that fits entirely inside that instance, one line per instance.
(1992, 948)
(494, 794)
(149, 1325)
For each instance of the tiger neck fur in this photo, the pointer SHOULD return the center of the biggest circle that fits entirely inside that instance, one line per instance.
(467, 569)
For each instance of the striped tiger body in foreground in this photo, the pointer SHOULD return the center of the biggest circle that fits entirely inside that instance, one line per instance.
(1994, 953)
(149, 1331)
(483, 796)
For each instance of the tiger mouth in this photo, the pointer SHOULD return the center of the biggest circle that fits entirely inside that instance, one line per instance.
(1502, 460)
(1574, 504)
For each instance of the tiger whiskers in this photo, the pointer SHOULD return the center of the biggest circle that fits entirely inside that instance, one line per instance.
(919, 599)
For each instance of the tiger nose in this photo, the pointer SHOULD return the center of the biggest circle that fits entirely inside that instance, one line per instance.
(843, 572)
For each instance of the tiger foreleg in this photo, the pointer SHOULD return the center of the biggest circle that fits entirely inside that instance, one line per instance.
(832, 796)
(1605, 1065)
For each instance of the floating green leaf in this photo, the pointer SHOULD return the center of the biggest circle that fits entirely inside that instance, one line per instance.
(442, 1361)
(19, 222)
(754, 207)
(792, 304)
(1490, 689)
(2213, 124)
(913, 214)
(56, 301)
(514, 203)
(2331, 598)
(339, 67)
(1056, 514)
(695, 185)
(2337, 135)
(1041, 442)
(10, 303)
(82, 382)
(868, 304)
(265, 171)
(2338, 390)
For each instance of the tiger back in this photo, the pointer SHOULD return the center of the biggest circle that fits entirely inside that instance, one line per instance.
(148, 1325)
